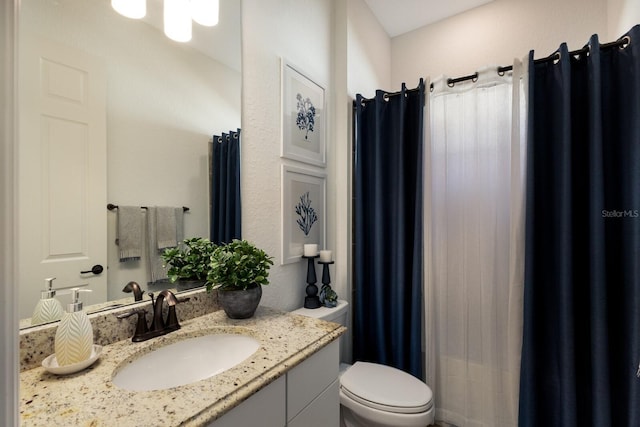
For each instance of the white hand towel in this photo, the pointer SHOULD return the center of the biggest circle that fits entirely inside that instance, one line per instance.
(129, 233)
(166, 227)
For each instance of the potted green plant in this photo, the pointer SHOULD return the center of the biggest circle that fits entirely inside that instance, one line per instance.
(238, 270)
(189, 263)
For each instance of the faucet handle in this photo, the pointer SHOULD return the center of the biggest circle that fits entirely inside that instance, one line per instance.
(141, 325)
(172, 318)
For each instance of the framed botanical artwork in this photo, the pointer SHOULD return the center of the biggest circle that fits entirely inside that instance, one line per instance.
(303, 211)
(303, 117)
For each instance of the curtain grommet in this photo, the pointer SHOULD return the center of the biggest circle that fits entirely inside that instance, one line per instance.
(624, 42)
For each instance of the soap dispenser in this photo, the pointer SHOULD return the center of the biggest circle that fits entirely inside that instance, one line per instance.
(74, 337)
(48, 309)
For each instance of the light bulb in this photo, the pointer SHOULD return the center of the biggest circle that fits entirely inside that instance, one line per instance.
(134, 9)
(205, 12)
(177, 20)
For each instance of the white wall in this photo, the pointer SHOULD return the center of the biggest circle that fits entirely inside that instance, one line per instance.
(495, 33)
(299, 31)
(164, 102)
(369, 52)
(622, 15)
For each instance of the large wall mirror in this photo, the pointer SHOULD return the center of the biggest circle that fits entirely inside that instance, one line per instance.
(152, 104)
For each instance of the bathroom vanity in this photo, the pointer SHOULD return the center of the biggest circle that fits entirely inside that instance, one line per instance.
(290, 380)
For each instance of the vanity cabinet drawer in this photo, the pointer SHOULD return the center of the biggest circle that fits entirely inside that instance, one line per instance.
(309, 380)
(266, 408)
(307, 396)
(324, 411)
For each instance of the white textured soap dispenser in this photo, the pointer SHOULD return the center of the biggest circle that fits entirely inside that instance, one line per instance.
(48, 309)
(74, 337)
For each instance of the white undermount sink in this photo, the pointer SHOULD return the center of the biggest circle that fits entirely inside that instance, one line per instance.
(185, 362)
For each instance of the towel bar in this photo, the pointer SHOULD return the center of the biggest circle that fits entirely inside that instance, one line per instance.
(111, 207)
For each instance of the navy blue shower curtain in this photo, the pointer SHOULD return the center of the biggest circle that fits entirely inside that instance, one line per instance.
(581, 340)
(225, 224)
(388, 229)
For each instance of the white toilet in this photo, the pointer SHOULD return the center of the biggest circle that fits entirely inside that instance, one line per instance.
(375, 395)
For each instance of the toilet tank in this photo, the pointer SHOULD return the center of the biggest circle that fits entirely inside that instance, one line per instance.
(337, 314)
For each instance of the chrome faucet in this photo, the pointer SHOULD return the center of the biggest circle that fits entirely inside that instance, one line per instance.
(159, 326)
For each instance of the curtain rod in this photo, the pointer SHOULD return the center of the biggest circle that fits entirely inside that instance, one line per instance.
(621, 42)
(388, 95)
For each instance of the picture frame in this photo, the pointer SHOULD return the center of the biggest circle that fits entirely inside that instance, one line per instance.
(303, 211)
(303, 117)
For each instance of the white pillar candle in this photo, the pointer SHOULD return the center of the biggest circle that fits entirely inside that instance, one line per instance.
(310, 249)
(325, 256)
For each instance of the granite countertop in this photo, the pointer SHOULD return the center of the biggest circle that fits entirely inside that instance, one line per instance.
(89, 398)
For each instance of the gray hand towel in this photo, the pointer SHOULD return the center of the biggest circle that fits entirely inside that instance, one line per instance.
(129, 233)
(179, 226)
(154, 260)
(166, 227)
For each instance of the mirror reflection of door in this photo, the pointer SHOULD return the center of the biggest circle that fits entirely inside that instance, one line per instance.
(62, 170)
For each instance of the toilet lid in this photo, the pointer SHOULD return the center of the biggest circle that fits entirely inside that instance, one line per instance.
(386, 388)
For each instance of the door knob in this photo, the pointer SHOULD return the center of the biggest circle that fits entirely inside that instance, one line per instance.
(96, 269)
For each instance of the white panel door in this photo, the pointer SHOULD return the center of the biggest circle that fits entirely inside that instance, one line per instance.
(62, 195)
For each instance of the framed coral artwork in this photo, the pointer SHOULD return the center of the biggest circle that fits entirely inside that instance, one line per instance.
(303, 117)
(303, 211)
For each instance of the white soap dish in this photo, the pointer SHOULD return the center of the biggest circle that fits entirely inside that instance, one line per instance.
(50, 364)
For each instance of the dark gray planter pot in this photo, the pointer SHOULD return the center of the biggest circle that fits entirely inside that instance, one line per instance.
(240, 304)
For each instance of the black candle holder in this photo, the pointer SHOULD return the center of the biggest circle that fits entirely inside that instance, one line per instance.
(326, 279)
(326, 288)
(312, 300)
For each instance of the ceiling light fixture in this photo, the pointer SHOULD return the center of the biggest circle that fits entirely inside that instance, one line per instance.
(177, 14)
(177, 20)
(205, 12)
(134, 9)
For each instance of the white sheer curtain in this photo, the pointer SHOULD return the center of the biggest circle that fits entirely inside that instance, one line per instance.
(474, 218)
